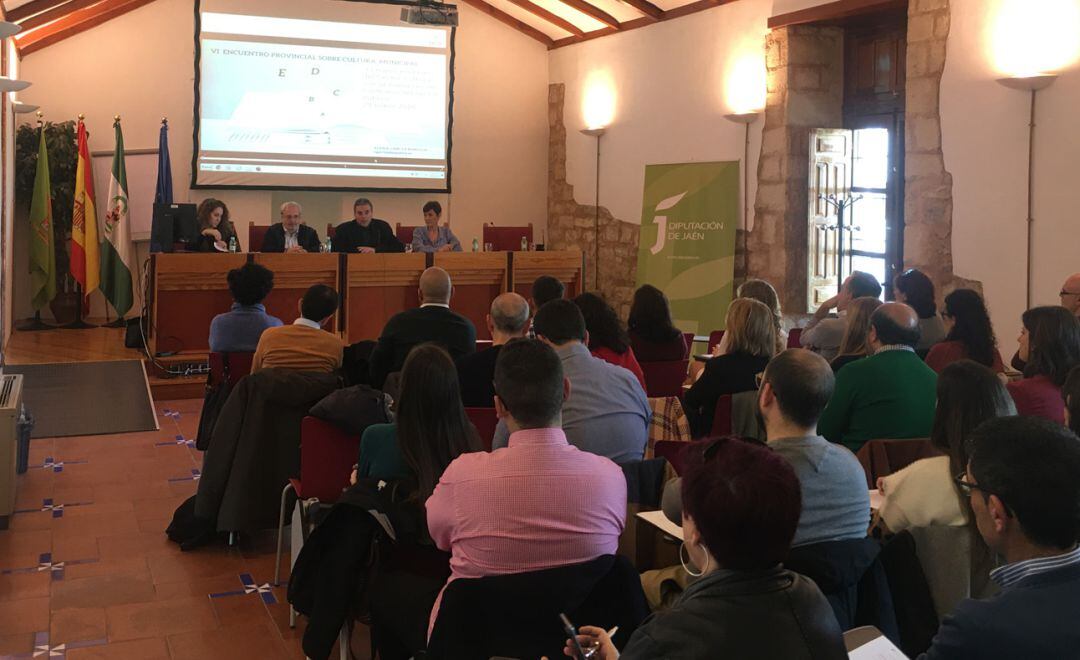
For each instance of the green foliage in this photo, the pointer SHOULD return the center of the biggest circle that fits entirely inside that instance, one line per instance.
(61, 143)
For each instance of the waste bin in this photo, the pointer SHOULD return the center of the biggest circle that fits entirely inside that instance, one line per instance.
(23, 427)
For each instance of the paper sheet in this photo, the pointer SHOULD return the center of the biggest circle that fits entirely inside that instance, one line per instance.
(880, 648)
(658, 519)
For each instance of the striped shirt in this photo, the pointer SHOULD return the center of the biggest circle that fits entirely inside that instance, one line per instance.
(894, 347)
(1010, 574)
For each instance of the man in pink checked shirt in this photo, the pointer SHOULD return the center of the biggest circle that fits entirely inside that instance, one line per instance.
(537, 503)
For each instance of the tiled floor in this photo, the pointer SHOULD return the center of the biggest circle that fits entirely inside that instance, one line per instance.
(87, 572)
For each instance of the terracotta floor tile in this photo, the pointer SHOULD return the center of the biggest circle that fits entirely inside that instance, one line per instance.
(24, 585)
(112, 490)
(75, 625)
(244, 641)
(98, 508)
(25, 615)
(102, 591)
(64, 494)
(16, 644)
(159, 508)
(155, 526)
(24, 522)
(132, 566)
(23, 544)
(236, 610)
(160, 618)
(118, 546)
(205, 563)
(197, 587)
(97, 524)
(139, 649)
(67, 547)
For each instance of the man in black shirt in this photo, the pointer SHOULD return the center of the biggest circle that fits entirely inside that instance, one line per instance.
(508, 319)
(364, 233)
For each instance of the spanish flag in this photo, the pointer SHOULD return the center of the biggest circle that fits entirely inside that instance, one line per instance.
(85, 262)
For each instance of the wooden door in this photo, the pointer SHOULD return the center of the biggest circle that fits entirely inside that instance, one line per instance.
(830, 182)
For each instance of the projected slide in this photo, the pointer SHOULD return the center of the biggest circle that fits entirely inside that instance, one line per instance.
(290, 102)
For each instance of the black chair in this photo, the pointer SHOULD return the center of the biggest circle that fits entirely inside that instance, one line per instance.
(517, 615)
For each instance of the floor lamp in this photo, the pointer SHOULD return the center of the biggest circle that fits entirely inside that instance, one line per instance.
(596, 133)
(745, 118)
(1032, 85)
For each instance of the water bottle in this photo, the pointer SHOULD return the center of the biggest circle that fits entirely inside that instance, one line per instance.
(475, 245)
(524, 244)
(233, 245)
(326, 246)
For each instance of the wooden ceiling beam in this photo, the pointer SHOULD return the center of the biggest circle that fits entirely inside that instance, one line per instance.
(832, 11)
(520, 26)
(74, 23)
(554, 19)
(685, 10)
(55, 13)
(647, 8)
(17, 14)
(594, 11)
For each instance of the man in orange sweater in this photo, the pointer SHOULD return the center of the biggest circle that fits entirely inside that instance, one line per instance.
(304, 345)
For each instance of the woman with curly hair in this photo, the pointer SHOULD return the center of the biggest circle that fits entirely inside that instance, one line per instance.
(607, 337)
(215, 229)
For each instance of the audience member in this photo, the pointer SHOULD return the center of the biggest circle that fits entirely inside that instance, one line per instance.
(239, 329)
(432, 321)
(1022, 487)
(545, 289)
(215, 229)
(1070, 391)
(763, 292)
(751, 344)
(1070, 294)
(653, 336)
(854, 345)
(433, 237)
(606, 411)
(508, 319)
(291, 235)
(795, 389)
(539, 502)
(923, 494)
(914, 288)
(1050, 348)
(824, 332)
(608, 339)
(304, 345)
(741, 505)
(889, 394)
(365, 233)
(969, 334)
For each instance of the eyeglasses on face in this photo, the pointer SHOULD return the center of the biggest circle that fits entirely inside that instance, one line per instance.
(966, 487)
(1064, 293)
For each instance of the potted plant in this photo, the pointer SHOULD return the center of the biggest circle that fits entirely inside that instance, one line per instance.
(61, 144)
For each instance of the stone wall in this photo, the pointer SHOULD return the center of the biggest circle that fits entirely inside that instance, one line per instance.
(572, 226)
(805, 91)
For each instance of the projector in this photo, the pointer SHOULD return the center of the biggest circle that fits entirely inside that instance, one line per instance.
(430, 13)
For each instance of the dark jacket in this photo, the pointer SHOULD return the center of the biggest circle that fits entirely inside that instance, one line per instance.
(206, 243)
(476, 372)
(724, 374)
(651, 351)
(1027, 620)
(255, 447)
(415, 326)
(765, 614)
(306, 237)
(349, 235)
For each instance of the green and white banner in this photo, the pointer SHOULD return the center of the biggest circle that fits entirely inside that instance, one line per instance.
(689, 215)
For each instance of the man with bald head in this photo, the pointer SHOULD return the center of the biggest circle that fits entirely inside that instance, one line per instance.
(508, 319)
(291, 235)
(1070, 294)
(890, 394)
(433, 321)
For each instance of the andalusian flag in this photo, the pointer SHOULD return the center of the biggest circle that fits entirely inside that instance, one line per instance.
(85, 264)
(42, 251)
(116, 240)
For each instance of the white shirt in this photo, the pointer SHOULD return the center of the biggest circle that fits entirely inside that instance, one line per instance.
(307, 323)
(290, 238)
(921, 495)
(444, 305)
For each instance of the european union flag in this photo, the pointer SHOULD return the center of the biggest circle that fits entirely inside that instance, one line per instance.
(163, 194)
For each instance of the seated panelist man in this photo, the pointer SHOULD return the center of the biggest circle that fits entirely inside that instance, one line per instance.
(291, 234)
(365, 233)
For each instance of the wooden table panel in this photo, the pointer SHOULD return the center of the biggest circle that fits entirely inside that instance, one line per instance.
(379, 286)
(189, 291)
(565, 265)
(294, 274)
(478, 277)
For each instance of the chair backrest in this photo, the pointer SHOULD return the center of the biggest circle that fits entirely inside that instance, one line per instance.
(404, 233)
(880, 458)
(327, 454)
(485, 420)
(507, 238)
(722, 418)
(256, 234)
(330, 230)
(233, 366)
(688, 337)
(672, 452)
(794, 338)
(714, 339)
(664, 378)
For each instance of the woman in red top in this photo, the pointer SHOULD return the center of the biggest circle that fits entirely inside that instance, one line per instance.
(1050, 345)
(653, 337)
(968, 333)
(607, 336)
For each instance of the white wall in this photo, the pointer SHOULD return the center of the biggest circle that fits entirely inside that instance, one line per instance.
(670, 102)
(141, 66)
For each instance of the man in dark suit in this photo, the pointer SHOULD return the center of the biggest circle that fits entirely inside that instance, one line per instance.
(291, 234)
(365, 233)
(508, 319)
(1022, 483)
(432, 321)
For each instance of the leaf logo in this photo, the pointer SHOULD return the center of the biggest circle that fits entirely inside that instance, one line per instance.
(661, 220)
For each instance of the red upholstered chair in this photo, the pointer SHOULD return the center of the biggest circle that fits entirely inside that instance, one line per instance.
(256, 234)
(485, 420)
(404, 233)
(507, 238)
(722, 417)
(688, 337)
(672, 452)
(664, 378)
(880, 458)
(327, 455)
(714, 339)
(231, 366)
(794, 338)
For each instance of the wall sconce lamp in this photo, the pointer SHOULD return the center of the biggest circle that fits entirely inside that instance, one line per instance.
(597, 133)
(1031, 84)
(745, 118)
(21, 108)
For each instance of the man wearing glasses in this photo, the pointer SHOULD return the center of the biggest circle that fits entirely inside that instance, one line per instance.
(1070, 300)
(1024, 492)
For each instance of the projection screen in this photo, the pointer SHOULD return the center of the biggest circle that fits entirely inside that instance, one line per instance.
(320, 94)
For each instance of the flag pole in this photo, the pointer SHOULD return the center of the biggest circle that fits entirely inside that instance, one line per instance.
(34, 324)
